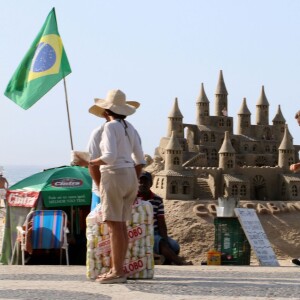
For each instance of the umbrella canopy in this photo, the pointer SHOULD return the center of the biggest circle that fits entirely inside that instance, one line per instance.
(62, 186)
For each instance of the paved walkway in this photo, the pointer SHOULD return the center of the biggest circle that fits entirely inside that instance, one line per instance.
(170, 282)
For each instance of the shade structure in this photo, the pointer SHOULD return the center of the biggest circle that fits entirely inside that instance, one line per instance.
(67, 188)
(61, 186)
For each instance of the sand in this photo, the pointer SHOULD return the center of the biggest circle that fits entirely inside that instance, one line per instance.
(195, 234)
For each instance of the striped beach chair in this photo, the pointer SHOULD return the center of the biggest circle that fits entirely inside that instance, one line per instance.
(44, 229)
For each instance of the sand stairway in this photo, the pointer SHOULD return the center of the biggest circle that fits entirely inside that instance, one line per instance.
(202, 189)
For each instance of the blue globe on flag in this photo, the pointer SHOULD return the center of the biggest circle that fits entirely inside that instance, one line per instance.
(44, 58)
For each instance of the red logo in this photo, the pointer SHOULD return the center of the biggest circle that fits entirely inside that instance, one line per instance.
(20, 198)
(66, 182)
(135, 266)
(137, 232)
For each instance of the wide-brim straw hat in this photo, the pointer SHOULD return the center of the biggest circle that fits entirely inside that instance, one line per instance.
(116, 102)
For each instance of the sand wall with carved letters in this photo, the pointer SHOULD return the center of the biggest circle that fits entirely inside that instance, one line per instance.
(191, 223)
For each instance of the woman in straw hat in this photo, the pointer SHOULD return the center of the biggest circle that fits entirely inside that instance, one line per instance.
(93, 147)
(121, 162)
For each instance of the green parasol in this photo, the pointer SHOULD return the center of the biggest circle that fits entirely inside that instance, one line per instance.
(62, 186)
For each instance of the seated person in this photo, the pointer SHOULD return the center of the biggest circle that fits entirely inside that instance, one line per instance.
(28, 245)
(3, 189)
(163, 244)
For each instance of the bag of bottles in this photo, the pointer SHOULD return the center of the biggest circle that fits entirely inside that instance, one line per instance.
(139, 261)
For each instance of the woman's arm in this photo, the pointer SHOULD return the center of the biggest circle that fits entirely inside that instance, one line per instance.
(84, 163)
(138, 170)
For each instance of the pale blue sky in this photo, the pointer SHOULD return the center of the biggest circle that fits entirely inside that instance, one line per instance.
(154, 51)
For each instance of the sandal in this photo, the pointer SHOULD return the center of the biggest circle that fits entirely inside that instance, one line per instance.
(103, 275)
(112, 278)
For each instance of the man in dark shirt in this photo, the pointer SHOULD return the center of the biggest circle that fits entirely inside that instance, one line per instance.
(163, 244)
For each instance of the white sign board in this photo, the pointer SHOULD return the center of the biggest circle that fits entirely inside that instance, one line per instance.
(256, 236)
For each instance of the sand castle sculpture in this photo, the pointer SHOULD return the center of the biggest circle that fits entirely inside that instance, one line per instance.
(208, 160)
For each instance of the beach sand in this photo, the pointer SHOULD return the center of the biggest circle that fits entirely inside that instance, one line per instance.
(196, 234)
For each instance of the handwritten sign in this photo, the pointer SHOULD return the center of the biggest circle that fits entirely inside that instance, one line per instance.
(256, 236)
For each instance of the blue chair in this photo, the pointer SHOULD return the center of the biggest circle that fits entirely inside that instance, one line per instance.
(44, 229)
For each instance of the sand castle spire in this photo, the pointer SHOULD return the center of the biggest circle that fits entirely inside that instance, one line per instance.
(244, 110)
(221, 93)
(278, 119)
(202, 96)
(175, 112)
(262, 109)
(286, 155)
(244, 119)
(173, 143)
(278, 125)
(175, 121)
(221, 88)
(226, 146)
(262, 100)
(287, 140)
(202, 107)
(227, 155)
(173, 155)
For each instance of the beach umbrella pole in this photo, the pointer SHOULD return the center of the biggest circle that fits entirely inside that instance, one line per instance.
(72, 220)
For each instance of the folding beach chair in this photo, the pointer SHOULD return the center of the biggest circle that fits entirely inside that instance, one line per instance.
(44, 229)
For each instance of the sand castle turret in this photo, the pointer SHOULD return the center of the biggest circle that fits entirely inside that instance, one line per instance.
(175, 121)
(279, 124)
(221, 94)
(286, 155)
(262, 109)
(244, 119)
(202, 107)
(173, 155)
(227, 155)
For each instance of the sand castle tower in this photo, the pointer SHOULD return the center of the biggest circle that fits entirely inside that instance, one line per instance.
(202, 107)
(286, 155)
(173, 155)
(262, 109)
(279, 124)
(174, 182)
(175, 121)
(227, 155)
(221, 94)
(244, 120)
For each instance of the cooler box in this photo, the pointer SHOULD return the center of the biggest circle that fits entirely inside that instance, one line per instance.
(231, 241)
(139, 261)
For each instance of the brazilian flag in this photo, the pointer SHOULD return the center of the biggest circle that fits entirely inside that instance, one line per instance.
(43, 66)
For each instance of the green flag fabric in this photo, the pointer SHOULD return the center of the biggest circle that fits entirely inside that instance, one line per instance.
(43, 66)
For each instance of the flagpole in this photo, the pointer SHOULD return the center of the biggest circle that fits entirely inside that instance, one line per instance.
(67, 105)
(72, 148)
